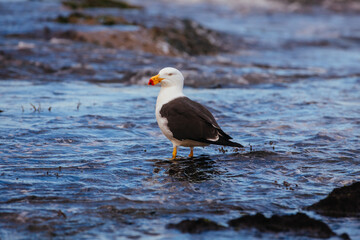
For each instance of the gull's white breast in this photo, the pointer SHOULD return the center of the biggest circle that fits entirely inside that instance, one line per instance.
(166, 95)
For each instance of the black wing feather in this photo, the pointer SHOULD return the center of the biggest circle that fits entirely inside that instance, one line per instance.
(189, 120)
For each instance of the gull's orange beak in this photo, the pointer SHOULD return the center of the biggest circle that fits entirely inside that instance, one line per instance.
(155, 80)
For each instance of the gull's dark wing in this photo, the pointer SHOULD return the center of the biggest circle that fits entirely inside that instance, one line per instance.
(189, 120)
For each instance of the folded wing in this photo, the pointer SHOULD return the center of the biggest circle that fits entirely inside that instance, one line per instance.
(189, 120)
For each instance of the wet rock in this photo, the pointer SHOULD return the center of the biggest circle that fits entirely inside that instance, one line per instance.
(189, 37)
(133, 40)
(140, 76)
(333, 5)
(299, 224)
(196, 226)
(344, 236)
(82, 18)
(195, 77)
(75, 4)
(31, 222)
(260, 153)
(37, 226)
(341, 202)
(124, 214)
(178, 37)
(185, 37)
(35, 199)
(73, 18)
(304, 2)
(10, 63)
(45, 33)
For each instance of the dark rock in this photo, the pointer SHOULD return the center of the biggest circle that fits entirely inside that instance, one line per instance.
(75, 4)
(189, 37)
(333, 5)
(260, 153)
(82, 18)
(180, 37)
(185, 37)
(123, 215)
(72, 18)
(196, 226)
(140, 40)
(69, 34)
(304, 2)
(299, 224)
(36, 199)
(341, 202)
(33, 223)
(345, 236)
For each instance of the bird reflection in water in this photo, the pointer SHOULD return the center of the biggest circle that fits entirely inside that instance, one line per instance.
(197, 169)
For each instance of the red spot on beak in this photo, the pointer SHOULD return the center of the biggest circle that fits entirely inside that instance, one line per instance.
(151, 82)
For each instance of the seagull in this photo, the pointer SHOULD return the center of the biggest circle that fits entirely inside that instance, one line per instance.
(183, 121)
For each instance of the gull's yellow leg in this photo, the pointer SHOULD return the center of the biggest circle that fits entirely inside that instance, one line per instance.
(191, 152)
(174, 153)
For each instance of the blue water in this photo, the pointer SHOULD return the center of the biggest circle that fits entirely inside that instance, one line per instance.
(106, 165)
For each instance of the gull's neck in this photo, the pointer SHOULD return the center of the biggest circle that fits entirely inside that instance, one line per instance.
(168, 93)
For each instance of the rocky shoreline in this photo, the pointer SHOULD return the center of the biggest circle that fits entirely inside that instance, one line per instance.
(341, 202)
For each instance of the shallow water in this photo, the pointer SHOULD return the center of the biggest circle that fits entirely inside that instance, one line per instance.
(87, 160)
(105, 166)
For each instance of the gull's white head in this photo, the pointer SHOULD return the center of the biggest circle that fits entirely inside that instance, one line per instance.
(168, 77)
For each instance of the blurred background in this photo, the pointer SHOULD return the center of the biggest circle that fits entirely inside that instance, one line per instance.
(81, 154)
